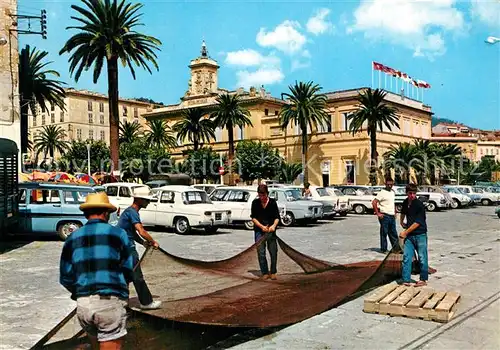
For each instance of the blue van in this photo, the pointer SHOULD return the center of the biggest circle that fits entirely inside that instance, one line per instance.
(52, 207)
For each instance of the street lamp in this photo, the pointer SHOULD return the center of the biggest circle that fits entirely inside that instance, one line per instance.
(492, 40)
(3, 41)
(88, 158)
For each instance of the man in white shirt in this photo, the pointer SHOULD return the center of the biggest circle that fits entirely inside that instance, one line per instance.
(385, 209)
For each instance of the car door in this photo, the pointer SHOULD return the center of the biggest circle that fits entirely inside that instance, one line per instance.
(112, 193)
(148, 214)
(24, 221)
(237, 204)
(44, 210)
(165, 209)
(124, 197)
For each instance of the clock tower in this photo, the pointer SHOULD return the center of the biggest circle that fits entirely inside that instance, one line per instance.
(203, 80)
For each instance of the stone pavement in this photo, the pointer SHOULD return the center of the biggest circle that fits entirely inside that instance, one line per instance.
(463, 246)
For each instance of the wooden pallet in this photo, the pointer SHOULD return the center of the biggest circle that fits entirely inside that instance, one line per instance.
(423, 303)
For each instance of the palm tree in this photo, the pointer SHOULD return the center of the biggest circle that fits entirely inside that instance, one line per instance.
(375, 113)
(401, 159)
(107, 34)
(50, 139)
(228, 114)
(35, 87)
(289, 172)
(159, 135)
(448, 156)
(195, 127)
(129, 132)
(435, 158)
(306, 108)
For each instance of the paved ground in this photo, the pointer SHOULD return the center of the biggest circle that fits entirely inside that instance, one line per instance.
(463, 246)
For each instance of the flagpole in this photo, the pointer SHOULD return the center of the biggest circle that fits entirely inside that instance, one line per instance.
(385, 81)
(372, 74)
(379, 79)
(422, 96)
(391, 78)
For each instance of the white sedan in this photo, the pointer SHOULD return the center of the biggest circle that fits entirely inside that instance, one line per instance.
(184, 208)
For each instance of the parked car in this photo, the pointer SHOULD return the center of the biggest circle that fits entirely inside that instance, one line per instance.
(459, 199)
(51, 207)
(360, 197)
(343, 206)
(320, 194)
(238, 200)
(486, 198)
(120, 193)
(435, 201)
(296, 209)
(183, 208)
(475, 198)
(437, 189)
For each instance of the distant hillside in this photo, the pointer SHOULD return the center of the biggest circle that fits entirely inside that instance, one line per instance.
(436, 120)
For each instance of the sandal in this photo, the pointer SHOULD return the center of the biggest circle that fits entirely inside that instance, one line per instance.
(420, 284)
(407, 284)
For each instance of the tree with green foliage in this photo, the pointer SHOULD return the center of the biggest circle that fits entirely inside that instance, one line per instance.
(36, 88)
(229, 114)
(289, 172)
(202, 164)
(305, 107)
(160, 135)
(195, 127)
(257, 160)
(76, 157)
(400, 157)
(50, 140)
(129, 131)
(376, 114)
(107, 33)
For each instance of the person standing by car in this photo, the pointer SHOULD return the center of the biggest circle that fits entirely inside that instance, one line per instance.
(414, 236)
(130, 221)
(306, 192)
(385, 209)
(265, 216)
(96, 266)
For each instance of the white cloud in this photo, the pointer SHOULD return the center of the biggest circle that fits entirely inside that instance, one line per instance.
(263, 76)
(285, 37)
(487, 11)
(249, 57)
(318, 23)
(417, 25)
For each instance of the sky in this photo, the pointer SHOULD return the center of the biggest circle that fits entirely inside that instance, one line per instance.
(275, 43)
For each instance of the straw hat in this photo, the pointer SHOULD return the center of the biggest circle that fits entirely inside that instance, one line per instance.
(97, 200)
(142, 193)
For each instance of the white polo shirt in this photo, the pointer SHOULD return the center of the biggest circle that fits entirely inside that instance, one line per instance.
(386, 201)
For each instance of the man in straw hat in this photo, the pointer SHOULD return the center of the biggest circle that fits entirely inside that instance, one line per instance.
(96, 267)
(130, 221)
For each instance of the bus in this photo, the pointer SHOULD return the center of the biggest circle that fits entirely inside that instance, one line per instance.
(9, 192)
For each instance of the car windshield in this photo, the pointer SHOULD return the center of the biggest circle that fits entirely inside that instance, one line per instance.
(452, 190)
(478, 190)
(196, 197)
(463, 190)
(494, 189)
(76, 196)
(322, 192)
(293, 195)
(334, 192)
(363, 191)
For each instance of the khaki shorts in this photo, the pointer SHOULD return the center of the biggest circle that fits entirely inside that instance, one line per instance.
(104, 317)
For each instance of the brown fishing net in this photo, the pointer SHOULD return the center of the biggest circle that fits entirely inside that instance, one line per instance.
(230, 292)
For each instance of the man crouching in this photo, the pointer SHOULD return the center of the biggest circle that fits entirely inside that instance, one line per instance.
(96, 267)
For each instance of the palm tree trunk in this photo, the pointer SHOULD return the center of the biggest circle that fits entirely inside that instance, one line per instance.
(24, 126)
(373, 157)
(114, 120)
(304, 155)
(231, 152)
(195, 144)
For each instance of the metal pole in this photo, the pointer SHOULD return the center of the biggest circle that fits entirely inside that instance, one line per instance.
(221, 176)
(88, 159)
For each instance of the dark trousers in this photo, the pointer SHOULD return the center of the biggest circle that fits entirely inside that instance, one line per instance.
(272, 247)
(415, 243)
(388, 228)
(140, 285)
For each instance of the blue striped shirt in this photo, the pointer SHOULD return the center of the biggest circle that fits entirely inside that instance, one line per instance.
(97, 259)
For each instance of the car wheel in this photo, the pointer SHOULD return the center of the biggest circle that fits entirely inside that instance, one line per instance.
(343, 214)
(455, 203)
(249, 225)
(211, 230)
(65, 230)
(182, 226)
(431, 206)
(486, 202)
(359, 209)
(399, 207)
(288, 219)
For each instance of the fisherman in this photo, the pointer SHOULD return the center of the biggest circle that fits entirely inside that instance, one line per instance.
(96, 267)
(130, 221)
(385, 209)
(265, 216)
(414, 236)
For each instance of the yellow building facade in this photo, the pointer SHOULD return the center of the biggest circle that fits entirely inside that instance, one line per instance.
(335, 155)
(86, 116)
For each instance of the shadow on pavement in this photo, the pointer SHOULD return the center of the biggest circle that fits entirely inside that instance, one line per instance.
(13, 242)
